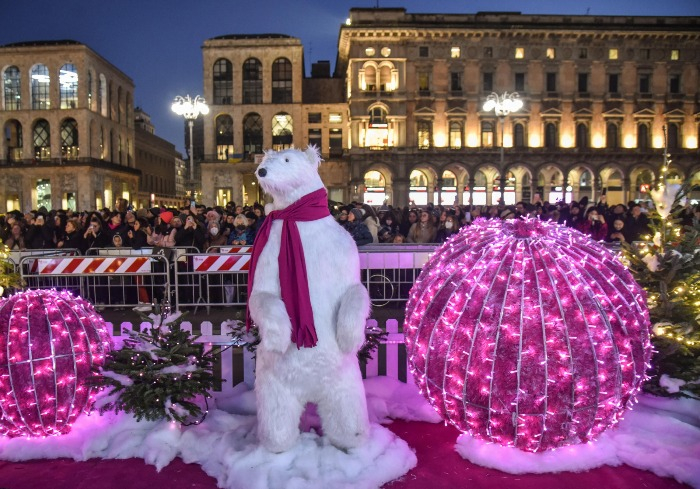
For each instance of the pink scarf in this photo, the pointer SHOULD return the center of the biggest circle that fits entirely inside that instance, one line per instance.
(292, 268)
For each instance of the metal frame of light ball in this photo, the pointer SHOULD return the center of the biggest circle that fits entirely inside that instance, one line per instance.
(66, 316)
(493, 360)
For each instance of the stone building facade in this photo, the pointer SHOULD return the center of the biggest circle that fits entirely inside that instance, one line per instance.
(69, 133)
(67, 119)
(602, 95)
(598, 94)
(260, 99)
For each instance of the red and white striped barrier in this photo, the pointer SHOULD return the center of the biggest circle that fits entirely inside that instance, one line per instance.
(236, 249)
(219, 263)
(95, 265)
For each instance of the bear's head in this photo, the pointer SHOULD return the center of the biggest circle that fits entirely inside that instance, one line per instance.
(290, 174)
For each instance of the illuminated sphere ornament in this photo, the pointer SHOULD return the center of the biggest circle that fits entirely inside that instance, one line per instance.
(528, 334)
(50, 342)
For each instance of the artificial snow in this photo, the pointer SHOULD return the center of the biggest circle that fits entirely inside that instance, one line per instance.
(660, 435)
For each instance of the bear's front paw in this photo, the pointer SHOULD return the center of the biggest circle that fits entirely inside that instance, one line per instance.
(270, 315)
(350, 336)
(272, 339)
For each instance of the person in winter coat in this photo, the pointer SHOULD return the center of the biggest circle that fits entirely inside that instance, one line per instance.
(371, 221)
(95, 236)
(242, 234)
(423, 231)
(447, 229)
(16, 240)
(137, 238)
(73, 237)
(357, 228)
(594, 225)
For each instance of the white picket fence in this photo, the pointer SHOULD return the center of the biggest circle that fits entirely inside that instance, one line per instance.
(236, 364)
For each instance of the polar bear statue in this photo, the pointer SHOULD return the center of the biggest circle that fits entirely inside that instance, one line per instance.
(310, 307)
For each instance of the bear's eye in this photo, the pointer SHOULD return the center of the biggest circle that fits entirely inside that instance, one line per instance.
(286, 160)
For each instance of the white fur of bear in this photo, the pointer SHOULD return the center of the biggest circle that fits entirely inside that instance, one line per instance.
(328, 374)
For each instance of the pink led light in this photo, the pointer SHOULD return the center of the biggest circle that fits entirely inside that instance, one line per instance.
(528, 334)
(50, 342)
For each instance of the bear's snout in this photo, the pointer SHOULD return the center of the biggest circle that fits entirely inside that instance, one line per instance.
(262, 172)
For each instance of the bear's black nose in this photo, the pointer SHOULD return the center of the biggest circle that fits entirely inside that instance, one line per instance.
(262, 172)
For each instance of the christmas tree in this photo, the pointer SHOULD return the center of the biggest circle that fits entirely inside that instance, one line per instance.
(159, 373)
(667, 265)
(8, 277)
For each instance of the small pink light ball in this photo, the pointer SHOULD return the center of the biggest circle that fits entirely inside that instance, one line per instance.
(50, 344)
(528, 334)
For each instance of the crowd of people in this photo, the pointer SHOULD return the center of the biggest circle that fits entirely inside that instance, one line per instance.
(203, 227)
(196, 226)
(434, 224)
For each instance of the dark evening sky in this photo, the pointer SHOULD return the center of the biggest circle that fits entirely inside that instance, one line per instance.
(157, 42)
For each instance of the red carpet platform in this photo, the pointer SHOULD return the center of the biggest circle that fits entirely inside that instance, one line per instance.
(439, 467)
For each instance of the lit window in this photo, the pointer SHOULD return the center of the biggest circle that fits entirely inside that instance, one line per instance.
(519, 53)
(551, 53)
(335, 118)
(369, 51)
(675, 54)
(456, 52)
(612, 53)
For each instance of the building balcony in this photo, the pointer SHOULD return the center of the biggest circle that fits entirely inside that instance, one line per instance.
(6, 165)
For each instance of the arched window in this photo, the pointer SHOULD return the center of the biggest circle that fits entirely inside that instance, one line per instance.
(377, 115)
(252, 134)
(612, 136)
(282, 131)
(41, 82)
(224, 137)
(103, 101)
(13, 138)
(673, 135)
(551, 136)
(375, 188)
(119, 104)
(418, 190)
(424, 130)
(455, 135)
(11, 81)
(281, 81)
(519, 135)
(486, 134)
(643, 141)
(68, 86)
(69, 140)
(581, 135)
(42, 140)
(385, 82)
(586, 179)
(223, 82)
(90, 91)
(101, 143)
(448, 190)
(252, 81)
(370, 78)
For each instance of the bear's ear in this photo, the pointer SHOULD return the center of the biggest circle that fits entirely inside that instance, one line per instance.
(313, 155)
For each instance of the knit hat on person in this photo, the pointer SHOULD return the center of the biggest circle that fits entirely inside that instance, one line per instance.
(154, 210)
(357, 213)
(166, 217)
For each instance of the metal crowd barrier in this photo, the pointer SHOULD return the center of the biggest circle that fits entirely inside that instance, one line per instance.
(106, 281)
(212, 279)
(15, 257)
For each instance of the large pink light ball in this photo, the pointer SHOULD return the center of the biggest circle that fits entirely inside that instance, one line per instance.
(50, 342)
(528, 334)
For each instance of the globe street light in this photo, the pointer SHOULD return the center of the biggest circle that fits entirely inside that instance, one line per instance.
(502, 105)
(190, 110)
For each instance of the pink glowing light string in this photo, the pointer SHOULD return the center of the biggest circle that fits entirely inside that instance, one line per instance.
(52, 342)
(528, 334)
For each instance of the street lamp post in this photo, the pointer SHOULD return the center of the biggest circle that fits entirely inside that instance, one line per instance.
(502, 105)
(190, 110)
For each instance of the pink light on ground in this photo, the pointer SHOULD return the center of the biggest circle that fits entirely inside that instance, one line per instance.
(50, 342)
(528, 334)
